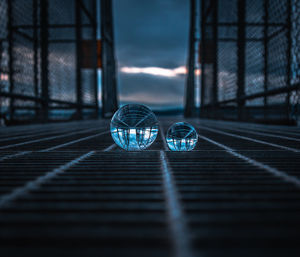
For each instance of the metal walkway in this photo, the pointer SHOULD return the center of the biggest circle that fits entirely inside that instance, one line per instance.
(67, 190)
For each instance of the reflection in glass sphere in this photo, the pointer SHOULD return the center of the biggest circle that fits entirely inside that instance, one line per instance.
(134, 127)
(181, 136)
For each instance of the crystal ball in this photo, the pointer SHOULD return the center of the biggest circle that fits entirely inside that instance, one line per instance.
(134, 127)
(181, 136)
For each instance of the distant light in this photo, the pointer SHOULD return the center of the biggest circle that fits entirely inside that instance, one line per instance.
(155, 71)
(180, 70)
(158, 71)
(3, 77)
(197, 72)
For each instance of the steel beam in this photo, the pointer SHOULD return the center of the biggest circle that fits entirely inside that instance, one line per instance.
(215, 61)
(109, 81)
(270, 92)
(241, 44)
(10, 57)
(289, 57)
(89, 14)
(35, 53)
(95, 60)
(44, 37)
(190, 83)
(41, 100)
(266, 55)
(248, 24)
(202, 54)
(51, 26)
(78, 60)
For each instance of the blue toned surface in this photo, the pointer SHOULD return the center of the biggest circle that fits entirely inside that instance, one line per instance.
(181, 136)
(134, 127)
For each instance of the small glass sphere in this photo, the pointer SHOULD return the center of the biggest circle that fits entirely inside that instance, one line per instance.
(134, 127)
(181, 136)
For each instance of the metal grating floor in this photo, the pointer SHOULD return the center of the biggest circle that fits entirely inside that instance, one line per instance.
(67, 190)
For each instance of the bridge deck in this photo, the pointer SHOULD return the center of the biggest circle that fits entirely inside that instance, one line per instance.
(67, 190)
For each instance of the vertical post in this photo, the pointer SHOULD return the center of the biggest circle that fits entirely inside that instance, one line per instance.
(289, 57)
(1, 50)
(109, 82)
(95, 59)
(202, 56)
(78, 59)
(35, 53)
(215, 61)
(266, 41)
(11, 57)
(44, 58)
(241, 58)
(190, 83)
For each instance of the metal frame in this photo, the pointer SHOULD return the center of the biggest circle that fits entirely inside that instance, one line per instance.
(109, 80)
(190, 83)
(209, 20)
(44, 37)
(241, 45)
(41, 41)
(10, 57)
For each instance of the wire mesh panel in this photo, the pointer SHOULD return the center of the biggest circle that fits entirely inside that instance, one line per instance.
(62, 77)
(254, 80)
(88, 75)
(256, 62)
(23, 50)
(295, 69)
(4, 81)
(205, 55)
(62, 51)
(295, 42)
(277, 49)
(227, 51)
(227, 74)
(42, 54)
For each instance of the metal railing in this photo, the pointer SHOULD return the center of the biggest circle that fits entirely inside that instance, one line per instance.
(249, 52)
(41, 60)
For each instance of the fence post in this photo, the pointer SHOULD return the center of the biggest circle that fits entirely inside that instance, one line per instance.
(266, 56)
(95, 59)
(202, 55)
(11, 57)
(109, 82)
(190, 83)
(241, 58)
(215, 61)
(44, 58)
(289, 57)
(78, 60)
(35, 54)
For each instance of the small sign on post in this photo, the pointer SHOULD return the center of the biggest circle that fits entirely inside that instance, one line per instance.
(88, 54)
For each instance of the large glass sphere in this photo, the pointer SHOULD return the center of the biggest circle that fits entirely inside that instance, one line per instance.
(134, 127)
(181, 136)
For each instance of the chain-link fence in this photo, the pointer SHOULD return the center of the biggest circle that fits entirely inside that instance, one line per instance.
(4, 85)
(250, 69)
(46, 71)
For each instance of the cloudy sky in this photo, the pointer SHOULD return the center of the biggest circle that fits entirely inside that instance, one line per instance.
(151, 49)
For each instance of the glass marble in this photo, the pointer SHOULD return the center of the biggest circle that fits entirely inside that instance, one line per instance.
(181, 136)
(134, 127)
